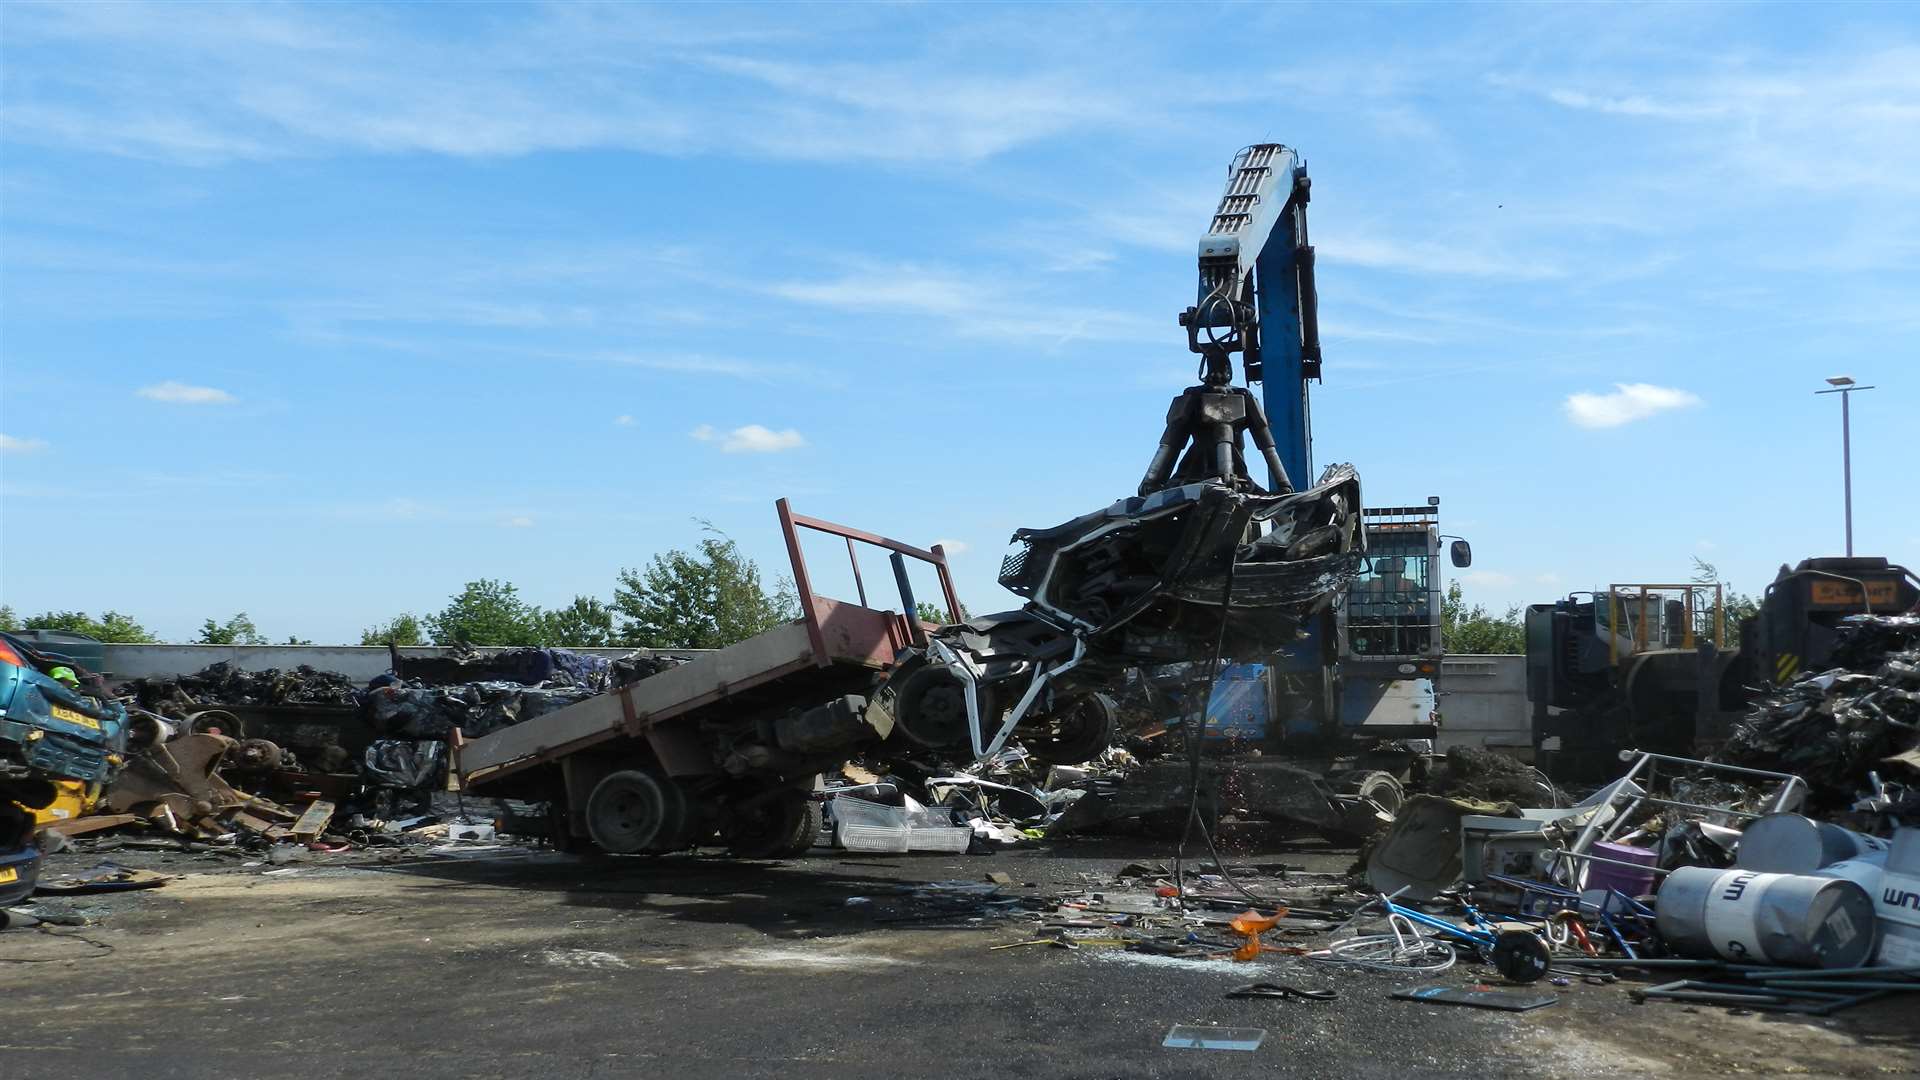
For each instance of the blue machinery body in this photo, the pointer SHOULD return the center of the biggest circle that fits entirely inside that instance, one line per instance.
(1374, 663)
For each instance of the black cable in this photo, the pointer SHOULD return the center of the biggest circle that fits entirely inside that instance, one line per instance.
(1196, 736)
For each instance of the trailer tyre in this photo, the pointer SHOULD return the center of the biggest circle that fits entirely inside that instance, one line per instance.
(780, 827)
(1079, 731)
(631, 811)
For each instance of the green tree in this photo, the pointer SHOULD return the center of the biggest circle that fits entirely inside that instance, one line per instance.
(486, 612)
(1736, 606)
(931, 613)
(8, 620)
(584, 624)
(238, 630)
(699, 600)
(294, 640)
(111, 626)
(402, 629)
(1475, 630)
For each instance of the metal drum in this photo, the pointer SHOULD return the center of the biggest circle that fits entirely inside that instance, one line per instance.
(1791, 844)
(1748, 916)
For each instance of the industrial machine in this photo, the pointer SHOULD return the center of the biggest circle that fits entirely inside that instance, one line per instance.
(1367, 666)
(1794, 630)
(1650, 666)
(1389, 628)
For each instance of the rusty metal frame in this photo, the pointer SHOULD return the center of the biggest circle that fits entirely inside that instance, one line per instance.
(790, 526)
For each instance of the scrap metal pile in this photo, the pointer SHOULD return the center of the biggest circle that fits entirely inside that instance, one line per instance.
(1841, 728)
(223, 684)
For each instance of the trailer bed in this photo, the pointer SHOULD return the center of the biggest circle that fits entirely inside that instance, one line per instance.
(831, 646)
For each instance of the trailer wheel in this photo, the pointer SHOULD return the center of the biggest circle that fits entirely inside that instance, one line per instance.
(931, 709)
(633, 811)
(779, 827)
(1079, 731)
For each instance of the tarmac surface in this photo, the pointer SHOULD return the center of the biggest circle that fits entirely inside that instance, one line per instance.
(518, 964)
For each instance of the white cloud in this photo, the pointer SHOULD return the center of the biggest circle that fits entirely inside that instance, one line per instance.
(518, 521)
(179, 393)
(623, 420)
(952, 547)
(1548, 578)
(205, 87)
(695, 364)
(1627, 403)
(1705, 545)
(1636, 105)
(1492, 579)
(750, 439)
(1431, 258)
(13, 444)
(972, 306)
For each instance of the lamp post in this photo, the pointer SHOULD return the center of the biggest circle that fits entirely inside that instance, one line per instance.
(1844, 386)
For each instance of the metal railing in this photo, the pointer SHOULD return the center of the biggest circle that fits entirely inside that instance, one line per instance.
(790, 526)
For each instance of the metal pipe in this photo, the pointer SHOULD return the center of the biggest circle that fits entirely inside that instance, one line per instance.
(915, 631)
(1846, 985)
(1830, 973)
(858, 584)
(1846, 463)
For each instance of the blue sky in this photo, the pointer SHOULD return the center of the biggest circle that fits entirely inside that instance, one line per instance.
(320, 311)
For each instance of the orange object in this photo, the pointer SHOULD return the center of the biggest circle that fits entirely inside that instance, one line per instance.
(1580, 934)
(1166, 890)
(1248, 949)
(1252, 922)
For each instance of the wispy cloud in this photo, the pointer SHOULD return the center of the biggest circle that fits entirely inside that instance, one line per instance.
(1433, 257)
(952, 547)
(1636, 105)
(1492, 579)
(204, 86)
(750, 439)
(1628, 402)
(623, 420)
(972, 305)
(14, 444)
(517, 521)
(179, 393)
(697, 364)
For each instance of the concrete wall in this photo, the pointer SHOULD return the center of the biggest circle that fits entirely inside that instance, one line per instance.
(358, 662)
(1484, 703)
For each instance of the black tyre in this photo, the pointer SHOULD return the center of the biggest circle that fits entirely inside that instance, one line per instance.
(633, 811)
(931, 710)
(780, 826)
(1079, 730)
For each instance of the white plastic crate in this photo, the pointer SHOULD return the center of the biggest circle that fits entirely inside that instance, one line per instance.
(859, 825)
(932, 829)
(874, 838)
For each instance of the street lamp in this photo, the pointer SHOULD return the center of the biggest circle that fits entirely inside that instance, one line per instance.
(1844, 386)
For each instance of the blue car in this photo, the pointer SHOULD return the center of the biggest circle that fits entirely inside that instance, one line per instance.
(48, 731)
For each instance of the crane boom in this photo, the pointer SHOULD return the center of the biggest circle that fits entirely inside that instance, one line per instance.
(1256, 292)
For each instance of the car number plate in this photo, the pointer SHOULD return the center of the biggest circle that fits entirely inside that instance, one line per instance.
(74, 716)
(8, 874)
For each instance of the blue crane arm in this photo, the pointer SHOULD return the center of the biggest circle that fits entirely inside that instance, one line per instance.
(1256, 293)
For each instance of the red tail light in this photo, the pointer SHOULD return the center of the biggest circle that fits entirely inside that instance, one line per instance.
(7, 655)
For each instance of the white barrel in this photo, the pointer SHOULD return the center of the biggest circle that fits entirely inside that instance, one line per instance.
(1897, 903)
(1792, 844)
(1753, 917)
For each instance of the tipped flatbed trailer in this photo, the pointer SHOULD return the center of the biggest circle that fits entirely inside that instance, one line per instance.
(729, 745)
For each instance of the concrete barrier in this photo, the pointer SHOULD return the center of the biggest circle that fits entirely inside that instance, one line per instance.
(1483, 702)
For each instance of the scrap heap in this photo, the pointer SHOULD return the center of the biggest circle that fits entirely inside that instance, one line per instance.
(1841, 727)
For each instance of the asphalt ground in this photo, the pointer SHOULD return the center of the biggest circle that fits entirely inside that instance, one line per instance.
(540, 965)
